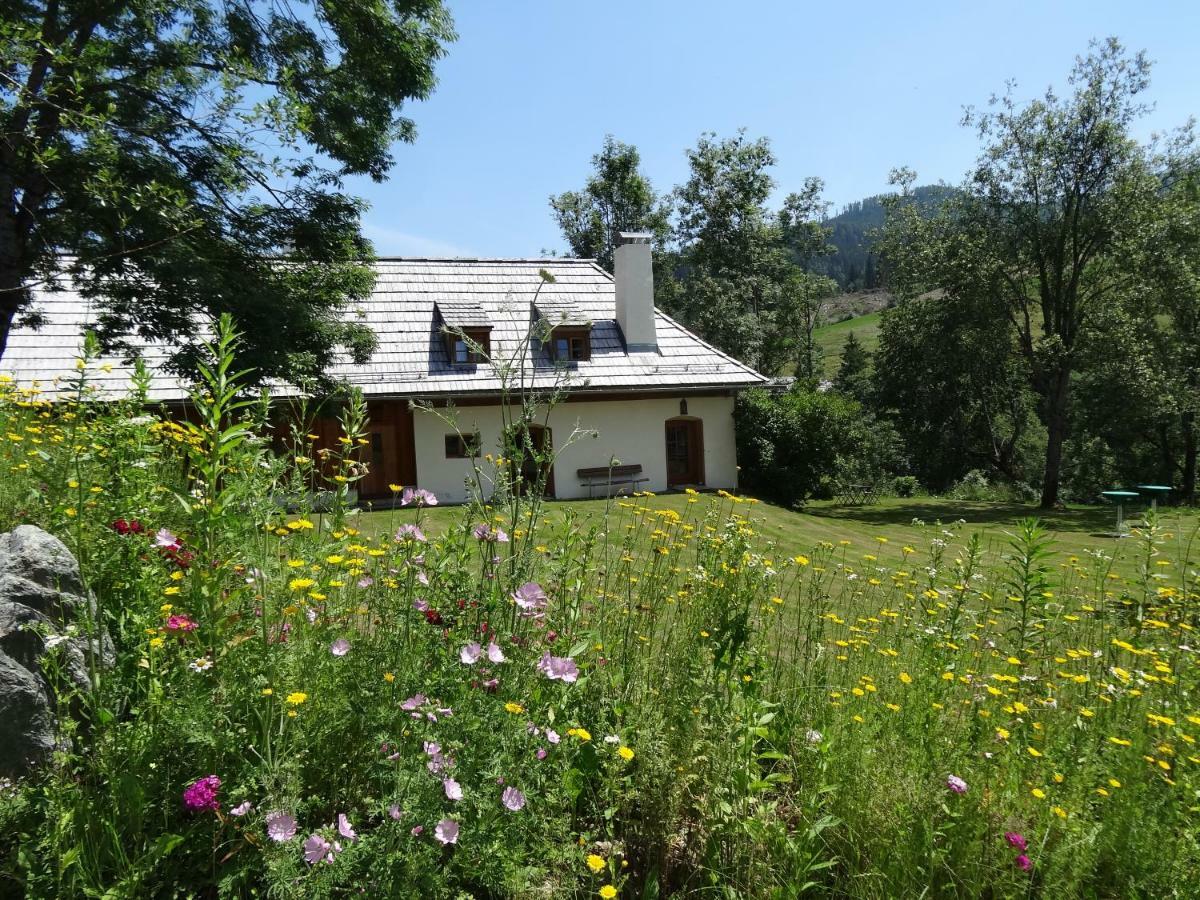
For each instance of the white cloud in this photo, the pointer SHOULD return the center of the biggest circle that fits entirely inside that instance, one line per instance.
(391, 242)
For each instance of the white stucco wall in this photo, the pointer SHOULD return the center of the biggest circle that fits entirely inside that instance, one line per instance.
(632, 430)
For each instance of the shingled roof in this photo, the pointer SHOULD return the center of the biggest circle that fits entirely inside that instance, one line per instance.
(411, 359)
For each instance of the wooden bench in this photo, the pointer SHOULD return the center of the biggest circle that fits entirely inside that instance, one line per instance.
(610, 477)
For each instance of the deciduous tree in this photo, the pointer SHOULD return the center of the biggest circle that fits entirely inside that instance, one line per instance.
(616, 198)
(170, 149)
(1044, 225)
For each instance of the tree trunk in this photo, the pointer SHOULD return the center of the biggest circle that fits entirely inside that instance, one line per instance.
(12, 295)
(1057, 408)
(1188, 421)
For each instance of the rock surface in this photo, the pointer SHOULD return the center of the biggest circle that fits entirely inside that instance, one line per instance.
(43, 605)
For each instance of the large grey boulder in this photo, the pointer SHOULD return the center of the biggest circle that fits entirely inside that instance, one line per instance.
(43, 609)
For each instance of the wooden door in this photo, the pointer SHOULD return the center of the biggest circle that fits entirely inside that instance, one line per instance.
(390, 453)
(685, 452)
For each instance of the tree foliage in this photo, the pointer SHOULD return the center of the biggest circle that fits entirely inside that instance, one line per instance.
(947, 377)
(1059, 200)
(798, 444)
(617, 197)
(742, 282)
(188, 158)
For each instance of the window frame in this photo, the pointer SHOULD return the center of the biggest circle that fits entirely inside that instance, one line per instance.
(468, 445)
(459, 337)
(570, 334)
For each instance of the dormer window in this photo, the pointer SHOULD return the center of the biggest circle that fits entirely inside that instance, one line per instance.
(570, 344)
(471, 347)
(466, 330)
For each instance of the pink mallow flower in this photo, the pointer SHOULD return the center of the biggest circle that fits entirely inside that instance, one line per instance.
(165, 539)
(410, 532)
(494, 653)
(531, 599)
(340, 647)
(201, 795)
(512, 799)
(241, 809)
(453, 789)
(281, 827)
(558, 668)
(317, 848)
(446, 831)
(486, 534)
(345, 829)
(470, 654)
(956, 784)
(420, 496)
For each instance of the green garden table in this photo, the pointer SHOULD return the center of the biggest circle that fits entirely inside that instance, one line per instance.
(1119, 498)
(1156, 492)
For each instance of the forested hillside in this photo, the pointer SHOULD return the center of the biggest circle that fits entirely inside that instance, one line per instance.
(855, 265)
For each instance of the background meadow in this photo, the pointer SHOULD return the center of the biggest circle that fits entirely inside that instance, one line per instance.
(647, 696)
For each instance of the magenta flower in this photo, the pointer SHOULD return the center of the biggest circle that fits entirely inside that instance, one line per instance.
(340, 647)
(181, 623)
(416, 830)
(1015, 840)
(494, 653)
(558, 668)
(512, 799)
(241, 809)
(446, 831)
(281, 826)
(1024, 863)
(470, 654)
(410, 532)
(317, 848)
(453, 789)
(956, 784)
(201, 795)
(541, 753)
(344, 828)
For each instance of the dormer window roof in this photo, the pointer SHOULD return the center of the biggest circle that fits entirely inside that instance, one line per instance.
(558, 312)
(468, 333)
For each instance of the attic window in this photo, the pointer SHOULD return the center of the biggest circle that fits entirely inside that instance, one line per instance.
(471, 346)
(571, 344)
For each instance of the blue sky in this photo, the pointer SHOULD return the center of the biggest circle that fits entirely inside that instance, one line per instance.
(845, 91)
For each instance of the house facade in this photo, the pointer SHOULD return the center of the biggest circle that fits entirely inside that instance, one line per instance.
(457, 337)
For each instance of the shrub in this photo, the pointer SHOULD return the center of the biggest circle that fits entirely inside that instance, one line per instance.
(796, 445)
(905, 485)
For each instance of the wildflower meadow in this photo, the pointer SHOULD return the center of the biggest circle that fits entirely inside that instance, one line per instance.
(655, 703)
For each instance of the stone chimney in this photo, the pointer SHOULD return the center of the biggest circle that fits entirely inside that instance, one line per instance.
(634, 279)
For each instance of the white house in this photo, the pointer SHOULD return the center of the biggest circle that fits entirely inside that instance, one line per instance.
(655, 395)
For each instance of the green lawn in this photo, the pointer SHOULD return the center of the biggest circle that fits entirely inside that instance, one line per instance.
(1076, 530)
(831, 339)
